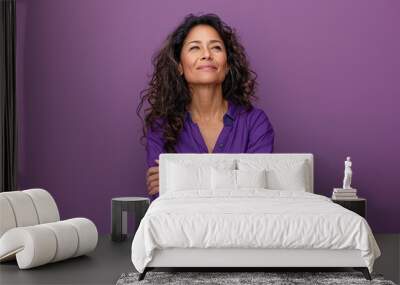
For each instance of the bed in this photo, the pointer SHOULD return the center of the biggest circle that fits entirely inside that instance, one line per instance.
(247, 210)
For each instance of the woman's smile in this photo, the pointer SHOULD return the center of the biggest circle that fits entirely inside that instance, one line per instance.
(207, 67)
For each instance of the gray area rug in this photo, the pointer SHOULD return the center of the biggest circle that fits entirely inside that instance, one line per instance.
(270, 278)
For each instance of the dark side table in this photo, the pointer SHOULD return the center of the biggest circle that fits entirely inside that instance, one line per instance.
(120, 207)
(358, 206)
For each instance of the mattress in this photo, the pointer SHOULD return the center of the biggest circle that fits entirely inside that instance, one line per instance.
(251, 219)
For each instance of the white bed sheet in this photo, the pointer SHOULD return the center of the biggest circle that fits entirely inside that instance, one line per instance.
(250, 218)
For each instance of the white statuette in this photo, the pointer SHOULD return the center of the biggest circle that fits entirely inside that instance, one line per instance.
(348, 173)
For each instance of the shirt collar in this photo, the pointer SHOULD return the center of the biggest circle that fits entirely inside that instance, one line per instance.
(232, 108)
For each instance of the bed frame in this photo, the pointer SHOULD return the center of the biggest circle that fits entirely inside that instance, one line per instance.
(246, 258)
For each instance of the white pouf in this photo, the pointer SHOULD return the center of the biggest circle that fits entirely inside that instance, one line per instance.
(31, 232)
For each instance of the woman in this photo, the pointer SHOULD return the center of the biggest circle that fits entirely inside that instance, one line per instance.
(200, 96)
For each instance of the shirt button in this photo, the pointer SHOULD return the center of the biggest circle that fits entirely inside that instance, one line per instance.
(221, 145)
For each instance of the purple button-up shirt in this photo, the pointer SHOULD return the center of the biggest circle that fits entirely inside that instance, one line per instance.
(243, 132)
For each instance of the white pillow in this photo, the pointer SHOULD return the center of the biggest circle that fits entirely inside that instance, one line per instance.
(191, 174)
(181, 177)
(281, 174)
(223, 179)
(235, 179)
(251, 178)
(290, 179)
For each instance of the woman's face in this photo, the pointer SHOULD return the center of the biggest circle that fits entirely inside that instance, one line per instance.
(203, 57)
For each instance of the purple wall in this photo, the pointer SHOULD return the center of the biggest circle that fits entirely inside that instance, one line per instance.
(329, 76)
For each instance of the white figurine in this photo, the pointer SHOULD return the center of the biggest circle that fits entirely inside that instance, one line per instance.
(347, 174)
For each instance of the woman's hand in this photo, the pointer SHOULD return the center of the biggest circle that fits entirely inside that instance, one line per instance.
(152, 180)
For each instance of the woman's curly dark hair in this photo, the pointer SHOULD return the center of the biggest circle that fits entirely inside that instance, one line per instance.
(168, 93)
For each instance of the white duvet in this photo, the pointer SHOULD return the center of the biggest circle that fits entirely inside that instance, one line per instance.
(251, 218)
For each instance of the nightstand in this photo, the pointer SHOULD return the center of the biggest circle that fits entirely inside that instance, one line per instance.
(120, 208)
(358, 206)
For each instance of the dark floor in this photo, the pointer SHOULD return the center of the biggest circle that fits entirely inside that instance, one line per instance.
(102, 266)
(111, 259)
